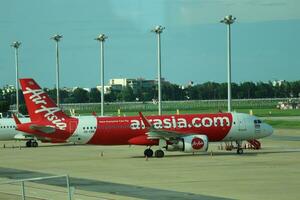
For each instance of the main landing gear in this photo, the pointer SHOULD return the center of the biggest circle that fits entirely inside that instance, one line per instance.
(148, 153)
(32, 143)
(158, 153)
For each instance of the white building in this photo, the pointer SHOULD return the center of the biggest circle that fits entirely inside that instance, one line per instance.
(8, 89)
(106, 89)
(278, 82)
(118, 83)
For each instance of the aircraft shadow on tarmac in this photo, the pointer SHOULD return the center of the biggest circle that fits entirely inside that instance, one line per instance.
(106, 187)
(14, 146)
(230, 153)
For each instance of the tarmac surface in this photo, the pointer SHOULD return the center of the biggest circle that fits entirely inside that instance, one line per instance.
(121, 172)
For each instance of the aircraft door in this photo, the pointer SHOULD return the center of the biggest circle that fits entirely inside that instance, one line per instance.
(257, 125)
(75, 136)
(241, 123)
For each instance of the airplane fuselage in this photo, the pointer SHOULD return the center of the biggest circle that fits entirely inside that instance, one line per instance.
(121, 130)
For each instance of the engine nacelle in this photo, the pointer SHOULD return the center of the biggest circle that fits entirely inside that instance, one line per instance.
(188, 144)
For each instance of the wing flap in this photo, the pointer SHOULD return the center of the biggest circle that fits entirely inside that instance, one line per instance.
(154, 133)
(166, 134)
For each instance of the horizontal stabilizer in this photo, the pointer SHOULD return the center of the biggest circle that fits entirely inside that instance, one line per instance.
(44, 129)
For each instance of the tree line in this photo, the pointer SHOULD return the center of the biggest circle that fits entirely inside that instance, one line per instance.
(204, 91)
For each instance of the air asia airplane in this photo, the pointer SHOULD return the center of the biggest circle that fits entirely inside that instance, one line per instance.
(187, 133)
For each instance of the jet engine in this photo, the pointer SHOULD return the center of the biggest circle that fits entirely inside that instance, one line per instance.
(187, 144)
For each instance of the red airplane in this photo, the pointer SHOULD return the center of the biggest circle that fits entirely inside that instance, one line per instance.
(187, 133)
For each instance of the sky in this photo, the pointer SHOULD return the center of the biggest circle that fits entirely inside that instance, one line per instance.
(265, 40)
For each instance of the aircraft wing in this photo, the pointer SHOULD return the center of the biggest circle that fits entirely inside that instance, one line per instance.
(165, 134)
(161, 133)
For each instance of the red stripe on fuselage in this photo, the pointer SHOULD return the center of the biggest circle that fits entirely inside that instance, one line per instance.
(118, 130)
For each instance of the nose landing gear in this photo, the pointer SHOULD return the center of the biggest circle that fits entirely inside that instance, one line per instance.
(239, 151)
(239, 147)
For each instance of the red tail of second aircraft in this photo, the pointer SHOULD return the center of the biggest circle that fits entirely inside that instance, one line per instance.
(47, 120)
(40, 106)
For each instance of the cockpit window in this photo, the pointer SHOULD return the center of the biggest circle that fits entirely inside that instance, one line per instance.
(257, 121)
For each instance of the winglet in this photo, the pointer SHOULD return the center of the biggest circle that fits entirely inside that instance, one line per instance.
(145, 121)
(16, 119)
(94, 114)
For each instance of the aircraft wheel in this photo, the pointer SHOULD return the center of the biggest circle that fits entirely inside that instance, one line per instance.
(159, 153)
(28, 143)
(148, 153)
(239, 151)
(34, 144)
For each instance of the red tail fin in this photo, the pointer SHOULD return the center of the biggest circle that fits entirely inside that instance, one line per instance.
(40, 106)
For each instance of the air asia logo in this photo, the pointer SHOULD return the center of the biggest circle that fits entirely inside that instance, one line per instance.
(197, 143)
(38, 98)
(173, 122)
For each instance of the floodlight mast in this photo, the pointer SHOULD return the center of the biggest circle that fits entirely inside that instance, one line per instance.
(158, 30)
(16, 45)
(57, 38)
(228, 20)
(101, 38)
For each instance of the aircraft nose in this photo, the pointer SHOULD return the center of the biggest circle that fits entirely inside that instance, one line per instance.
(269, 129)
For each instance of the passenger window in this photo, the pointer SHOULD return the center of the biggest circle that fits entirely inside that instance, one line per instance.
(87, 128)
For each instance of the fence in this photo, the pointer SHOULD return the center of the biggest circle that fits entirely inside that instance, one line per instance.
(34, 195)
(173, 105)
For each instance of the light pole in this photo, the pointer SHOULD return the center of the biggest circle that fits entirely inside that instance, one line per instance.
(57, 38)
(101, 38)
(158, 30)
(228, 20)
(16, 45)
